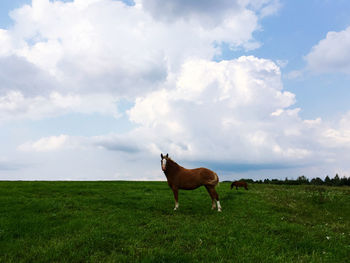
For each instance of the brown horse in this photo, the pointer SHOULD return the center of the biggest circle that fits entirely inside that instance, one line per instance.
(188, 179)
(239, 184)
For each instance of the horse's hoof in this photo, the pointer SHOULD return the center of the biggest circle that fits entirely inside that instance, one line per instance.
(219, 210)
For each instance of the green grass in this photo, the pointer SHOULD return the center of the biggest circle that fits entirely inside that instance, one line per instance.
(135, 222)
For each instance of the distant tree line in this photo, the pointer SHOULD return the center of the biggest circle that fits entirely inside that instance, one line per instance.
(302, 180)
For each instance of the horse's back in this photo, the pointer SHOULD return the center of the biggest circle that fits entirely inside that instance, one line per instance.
(194, 178)
(240, 184)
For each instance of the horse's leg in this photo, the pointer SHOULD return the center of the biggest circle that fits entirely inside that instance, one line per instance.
(217, 199)
(213, 205)
(214, 195)
(176, 194)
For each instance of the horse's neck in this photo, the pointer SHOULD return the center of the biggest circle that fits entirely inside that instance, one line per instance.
(172, 169)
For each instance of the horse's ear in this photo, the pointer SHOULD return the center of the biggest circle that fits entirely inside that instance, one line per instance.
(167, 155)
(161, 156)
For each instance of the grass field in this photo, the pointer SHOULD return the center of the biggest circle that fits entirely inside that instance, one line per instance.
(135, 222)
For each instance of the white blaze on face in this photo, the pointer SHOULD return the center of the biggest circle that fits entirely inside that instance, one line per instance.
(163, 164)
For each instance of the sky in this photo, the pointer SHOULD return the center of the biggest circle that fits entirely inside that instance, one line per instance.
(98, 89)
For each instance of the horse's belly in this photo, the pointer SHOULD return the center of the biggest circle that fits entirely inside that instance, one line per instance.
(189, 186)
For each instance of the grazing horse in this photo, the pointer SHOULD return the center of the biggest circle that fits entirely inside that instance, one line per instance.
(239, 184)
(188, 179)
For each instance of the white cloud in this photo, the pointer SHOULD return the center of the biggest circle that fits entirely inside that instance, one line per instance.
(5, 41)
(232, 116)
(17, 74)
(338, 136)
(230, 140)
(230, 111)
(66, 157)
(282, 63)
(236, 112)
(125, 143)
(46, 144)
(107, 46)
(209, 12)
(331, 54)
(266, 7)
(295, 74)
(224, 111)
(14, 105)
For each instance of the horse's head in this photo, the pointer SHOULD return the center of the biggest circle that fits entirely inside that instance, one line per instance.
(163, 161)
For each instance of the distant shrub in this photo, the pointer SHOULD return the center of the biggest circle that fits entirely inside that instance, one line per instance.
(303, 180)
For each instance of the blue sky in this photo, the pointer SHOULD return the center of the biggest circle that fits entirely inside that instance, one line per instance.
(259, 89)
